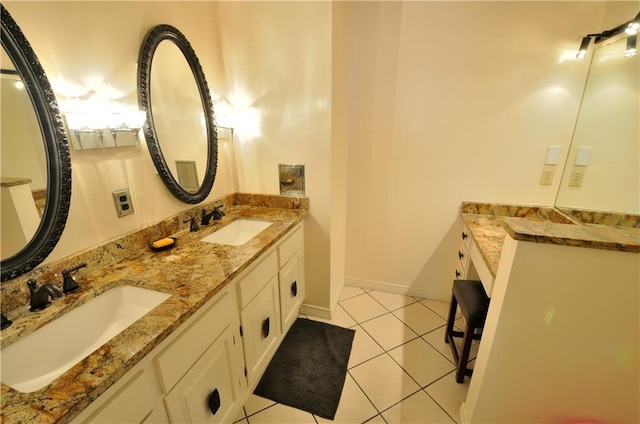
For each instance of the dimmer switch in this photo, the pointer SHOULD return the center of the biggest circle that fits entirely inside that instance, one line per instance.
(122, 202)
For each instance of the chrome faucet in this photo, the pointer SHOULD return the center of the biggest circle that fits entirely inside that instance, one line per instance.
(40, 296)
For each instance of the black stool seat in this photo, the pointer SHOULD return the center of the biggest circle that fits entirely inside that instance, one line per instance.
(474, 304)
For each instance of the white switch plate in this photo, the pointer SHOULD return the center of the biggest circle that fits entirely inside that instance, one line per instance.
(583, 155)
(122, 202)
(553, 155)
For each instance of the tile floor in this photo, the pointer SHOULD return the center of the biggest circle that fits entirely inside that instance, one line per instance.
(400, 369)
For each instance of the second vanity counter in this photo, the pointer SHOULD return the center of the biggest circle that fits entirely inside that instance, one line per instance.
(192, 272)
(490, 223)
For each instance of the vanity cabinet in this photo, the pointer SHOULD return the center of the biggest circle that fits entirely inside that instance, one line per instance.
(201, 371)
(132, 399)
(463, 261)
(195, 375)
(205, 370)
(291, 278)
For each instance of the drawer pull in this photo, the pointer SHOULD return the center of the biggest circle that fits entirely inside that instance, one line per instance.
(457, 274)
(460, 254)
(294, 289)
(464, 235)
(265, 328)
(214, 401)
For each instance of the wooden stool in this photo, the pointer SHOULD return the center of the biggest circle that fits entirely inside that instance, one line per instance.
(474, 303)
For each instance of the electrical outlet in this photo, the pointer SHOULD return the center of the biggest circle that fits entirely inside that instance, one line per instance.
(548, 172)
(577, 175)
(122, 202)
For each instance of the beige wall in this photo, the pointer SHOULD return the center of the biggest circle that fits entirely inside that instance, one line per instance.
(452, 101)
(563, 325)
(91, 48)
(277, 58)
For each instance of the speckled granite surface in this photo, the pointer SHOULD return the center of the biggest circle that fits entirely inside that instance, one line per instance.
(10, 182)
(489, 223)
(603, 218)
(192, 272)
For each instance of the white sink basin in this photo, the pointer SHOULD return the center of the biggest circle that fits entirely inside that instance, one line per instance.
(39, 358)
(237, 233)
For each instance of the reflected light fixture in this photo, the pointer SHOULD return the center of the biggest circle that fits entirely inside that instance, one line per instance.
(96, 125)
(631, 50)
(634, 26)
(584, 46)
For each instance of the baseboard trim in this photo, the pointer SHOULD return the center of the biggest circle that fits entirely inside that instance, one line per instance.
(397, 289)
(315, 311)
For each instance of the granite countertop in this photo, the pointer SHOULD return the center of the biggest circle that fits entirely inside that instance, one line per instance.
(192, 272)
(489, 224)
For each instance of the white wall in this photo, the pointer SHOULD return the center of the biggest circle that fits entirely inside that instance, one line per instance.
(452, 101)
(561, 343)
(277, 58)
(91, 48)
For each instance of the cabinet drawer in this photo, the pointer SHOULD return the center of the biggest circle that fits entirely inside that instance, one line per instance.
(133, 403)
(291, 281)
(463, 257)
(257, 278)
(261, 329)
(206, 393)
(465, 237)
(184, 350)
(290, 246)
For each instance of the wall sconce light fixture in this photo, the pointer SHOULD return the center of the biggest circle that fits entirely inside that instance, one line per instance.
(224, 133)
(631, 50)
(94, 130)
(634, 26)
(631, 28)
(584, 46)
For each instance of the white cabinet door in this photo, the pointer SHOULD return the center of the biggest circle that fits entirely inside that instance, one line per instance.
(130, 400)
(291, 290)
(261, 329)
(208, 393)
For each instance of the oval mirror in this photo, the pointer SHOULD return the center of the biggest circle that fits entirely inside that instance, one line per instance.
(180, 127)
(36, 168)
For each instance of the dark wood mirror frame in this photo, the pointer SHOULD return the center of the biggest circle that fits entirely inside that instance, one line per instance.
(58, 197)
(151, 41)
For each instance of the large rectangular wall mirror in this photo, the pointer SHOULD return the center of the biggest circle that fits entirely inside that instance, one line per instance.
(606, 140)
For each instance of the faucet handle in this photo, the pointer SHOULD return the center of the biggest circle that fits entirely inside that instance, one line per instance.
(193, 226)
(5, 322)
(69, 285)
(218, 213)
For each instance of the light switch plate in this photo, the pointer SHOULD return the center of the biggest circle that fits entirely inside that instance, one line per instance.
(583, 155)
(553, 155)
(122, 202)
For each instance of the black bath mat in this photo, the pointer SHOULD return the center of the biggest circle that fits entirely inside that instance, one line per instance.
(308, 370)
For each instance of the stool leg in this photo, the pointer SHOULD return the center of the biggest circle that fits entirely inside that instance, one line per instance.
(464, 356)
(452, 318)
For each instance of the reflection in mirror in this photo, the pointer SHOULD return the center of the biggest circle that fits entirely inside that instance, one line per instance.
(23, 165)
(36, 169)
(606, 139)
(178, 115)
(180, 129)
